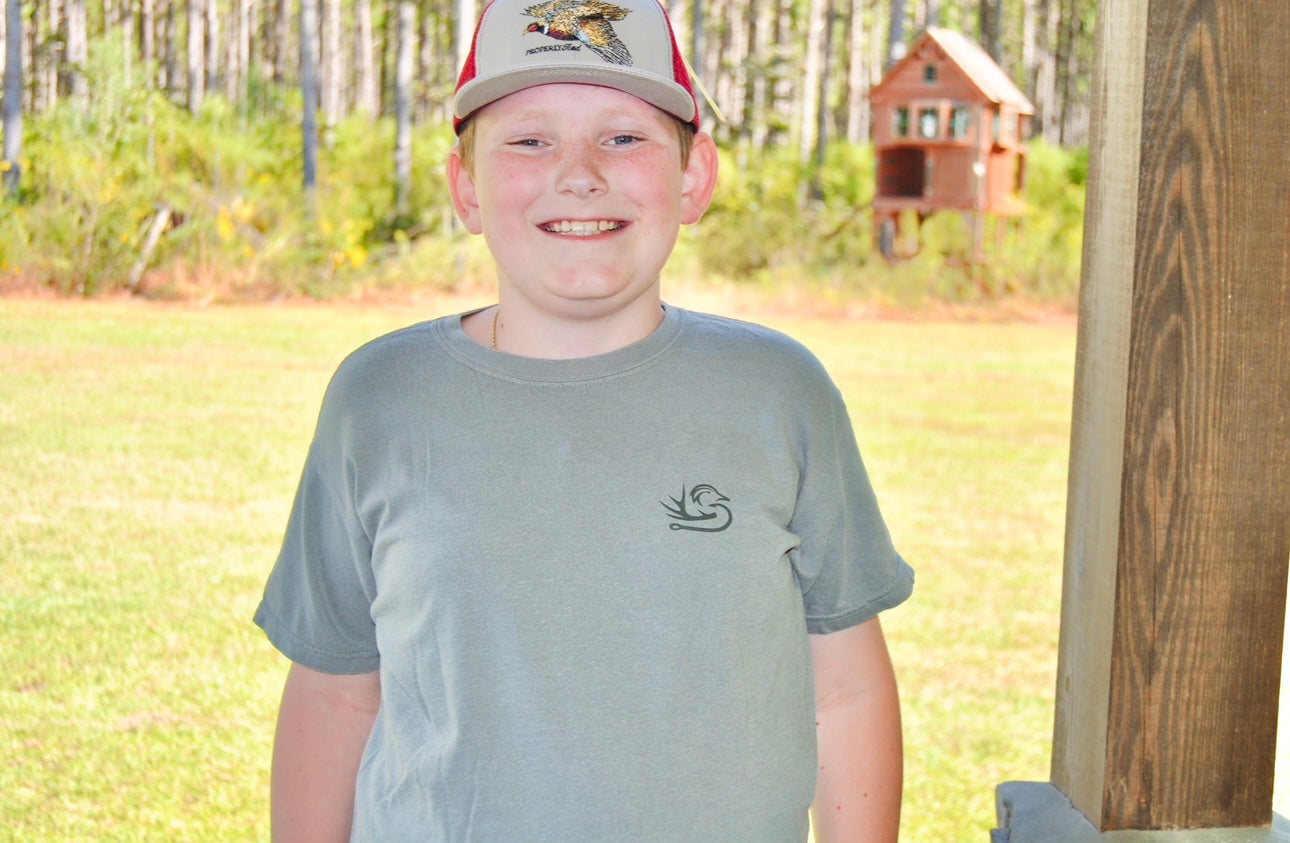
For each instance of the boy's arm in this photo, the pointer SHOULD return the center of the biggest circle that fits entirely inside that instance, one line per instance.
(323, 726)
(858, 792)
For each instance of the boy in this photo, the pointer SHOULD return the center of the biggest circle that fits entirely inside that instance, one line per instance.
(581, 566)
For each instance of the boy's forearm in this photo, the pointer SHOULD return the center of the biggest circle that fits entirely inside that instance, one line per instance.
(323, 725)
(859, 784)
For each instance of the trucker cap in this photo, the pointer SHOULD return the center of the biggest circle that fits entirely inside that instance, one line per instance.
(626, 44)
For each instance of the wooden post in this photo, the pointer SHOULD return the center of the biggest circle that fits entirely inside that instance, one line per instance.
(1178, 516)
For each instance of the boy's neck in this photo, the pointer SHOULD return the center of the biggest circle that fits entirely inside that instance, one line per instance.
(515, 327)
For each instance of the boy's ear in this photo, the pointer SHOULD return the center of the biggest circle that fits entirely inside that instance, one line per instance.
(699, 179)
(461, 185)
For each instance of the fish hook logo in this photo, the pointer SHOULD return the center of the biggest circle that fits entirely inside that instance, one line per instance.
(703, 510)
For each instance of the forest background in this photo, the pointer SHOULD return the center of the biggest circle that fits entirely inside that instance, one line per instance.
(205, 149)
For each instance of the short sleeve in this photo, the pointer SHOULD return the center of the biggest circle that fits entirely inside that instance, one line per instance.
(846, 565)
(317, 602)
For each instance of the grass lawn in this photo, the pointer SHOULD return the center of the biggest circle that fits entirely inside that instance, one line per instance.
(149, 456)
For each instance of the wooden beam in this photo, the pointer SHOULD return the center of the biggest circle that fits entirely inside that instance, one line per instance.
(1178, 515)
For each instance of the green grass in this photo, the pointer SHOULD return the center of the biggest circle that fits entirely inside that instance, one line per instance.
(965, 429)
(149, 454)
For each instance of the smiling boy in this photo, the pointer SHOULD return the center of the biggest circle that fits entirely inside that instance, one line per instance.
(580, 566)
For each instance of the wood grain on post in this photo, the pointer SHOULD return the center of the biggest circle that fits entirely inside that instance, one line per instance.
(1178, 520)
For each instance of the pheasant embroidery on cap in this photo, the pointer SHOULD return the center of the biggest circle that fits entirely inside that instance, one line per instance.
(587, 21)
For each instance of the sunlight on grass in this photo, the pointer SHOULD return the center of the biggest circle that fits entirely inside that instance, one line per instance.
(965, 428)
(150, 455)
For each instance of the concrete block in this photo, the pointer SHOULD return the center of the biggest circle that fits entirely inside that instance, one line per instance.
(1037, 812)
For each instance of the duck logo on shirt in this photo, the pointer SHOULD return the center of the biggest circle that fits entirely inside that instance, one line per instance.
(703, 510)
(582, 21)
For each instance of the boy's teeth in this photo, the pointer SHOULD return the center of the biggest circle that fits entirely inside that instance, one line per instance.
(582, 229)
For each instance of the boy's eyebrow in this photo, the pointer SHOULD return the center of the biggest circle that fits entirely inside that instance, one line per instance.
(612, 121)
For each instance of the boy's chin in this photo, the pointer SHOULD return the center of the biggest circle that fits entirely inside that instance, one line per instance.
(595, 296)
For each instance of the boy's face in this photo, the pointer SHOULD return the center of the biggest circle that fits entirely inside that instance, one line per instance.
(579, 192)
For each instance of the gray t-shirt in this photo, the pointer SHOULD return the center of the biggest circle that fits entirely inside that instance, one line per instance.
(587, 584)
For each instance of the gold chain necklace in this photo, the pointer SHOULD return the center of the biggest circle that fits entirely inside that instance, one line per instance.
(493, 344)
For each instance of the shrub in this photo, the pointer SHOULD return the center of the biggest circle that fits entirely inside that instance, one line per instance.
(227, 187)
(100, 177)
(1039, 255)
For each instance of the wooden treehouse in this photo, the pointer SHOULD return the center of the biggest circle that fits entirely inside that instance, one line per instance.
(949, 135)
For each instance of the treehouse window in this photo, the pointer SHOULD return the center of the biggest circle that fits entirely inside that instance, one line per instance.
(929, 123)
(900, 121)
(929, 74)
(960, 119)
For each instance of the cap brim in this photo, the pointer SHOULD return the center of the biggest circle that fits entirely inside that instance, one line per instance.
(669, 97)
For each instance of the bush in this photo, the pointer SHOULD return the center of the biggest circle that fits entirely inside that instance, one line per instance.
(1039, 254)
(760, 230)
(225, 185)
(130, 191)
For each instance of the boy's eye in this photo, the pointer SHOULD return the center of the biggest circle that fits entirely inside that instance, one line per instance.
(623, 140)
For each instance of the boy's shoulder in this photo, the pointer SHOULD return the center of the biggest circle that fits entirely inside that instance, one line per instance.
(381, 367)
(758, 344)
(378, 354)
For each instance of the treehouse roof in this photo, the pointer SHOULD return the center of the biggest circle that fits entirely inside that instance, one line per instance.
(975, 64)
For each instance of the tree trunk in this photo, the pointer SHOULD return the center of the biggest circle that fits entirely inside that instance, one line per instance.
(12, 174)
(932, 13)
(279, 43)
(246, 34)
(991, 36)
(212, 45)
(732, 94)
(147, 41)
(74, 82)
(386, 53)
(782, 83)
(857, 81)
(126, 24)
(309, 92)
(895, 34)
(753, 105)
(365, 95)
(403, 105)
(812, 79)
(232, 50)
(329, 67)
(47, 67)
(726, 86)
(698, 32)
(822, 103)
(465, 19)
(196, 62)
(424, 66)
(1046, 72)
(1067, 62)
(1029, 50)
(169, 64)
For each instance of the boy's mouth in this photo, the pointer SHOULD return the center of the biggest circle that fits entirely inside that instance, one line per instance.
(582, 228)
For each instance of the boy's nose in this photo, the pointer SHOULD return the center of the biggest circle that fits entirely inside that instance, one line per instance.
(579, 171)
